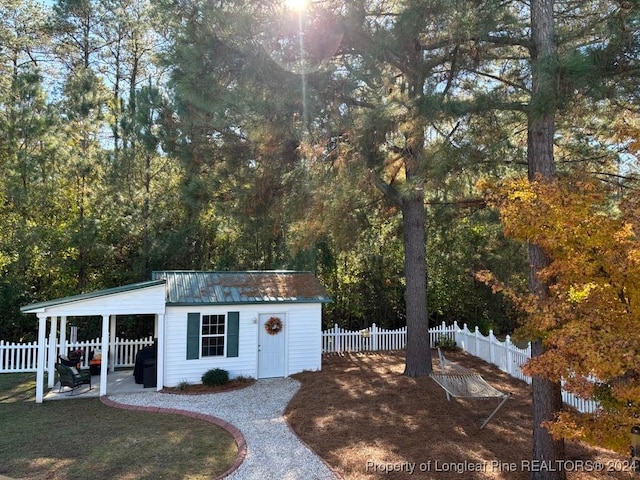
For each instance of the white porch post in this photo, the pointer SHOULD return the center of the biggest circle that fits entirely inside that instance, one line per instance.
(160, 351)
(53, 340)
(63, 336)
(105, 346)
(42, 326)
(112, 345)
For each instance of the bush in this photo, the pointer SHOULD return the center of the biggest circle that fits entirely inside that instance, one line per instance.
(215, 377)
(183, 386)
(446, 343)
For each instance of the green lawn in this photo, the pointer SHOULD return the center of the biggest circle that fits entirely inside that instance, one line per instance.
(84, 439)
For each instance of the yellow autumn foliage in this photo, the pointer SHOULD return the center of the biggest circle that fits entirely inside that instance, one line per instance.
(590, 321)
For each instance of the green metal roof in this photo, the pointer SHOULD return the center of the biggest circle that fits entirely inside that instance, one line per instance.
(91, 295)
(227, 288)
(216, 288)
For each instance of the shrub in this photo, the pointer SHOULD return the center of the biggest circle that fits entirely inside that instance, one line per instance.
(446, 343)
(182, 386)
(215, 376)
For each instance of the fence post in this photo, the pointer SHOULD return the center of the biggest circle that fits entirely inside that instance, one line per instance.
(509, 365)
(374, 337)
(491, 340)
(456, 329)
(119, 356)
(476, 335)
(336, 338)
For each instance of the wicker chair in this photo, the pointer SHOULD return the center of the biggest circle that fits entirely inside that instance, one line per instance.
(72, 378)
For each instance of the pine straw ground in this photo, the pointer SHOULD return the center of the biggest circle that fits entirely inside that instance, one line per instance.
(362, 416)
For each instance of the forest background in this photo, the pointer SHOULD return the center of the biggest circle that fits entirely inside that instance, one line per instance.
(139, 136)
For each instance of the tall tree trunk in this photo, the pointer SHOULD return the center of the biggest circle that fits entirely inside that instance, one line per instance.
(547, 400)
(418, 360)
(411, 203)
(547, 395)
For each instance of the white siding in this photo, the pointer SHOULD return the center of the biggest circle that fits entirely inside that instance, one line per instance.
(148, 300)
(178, 368)
(304, 344)
(304, 341)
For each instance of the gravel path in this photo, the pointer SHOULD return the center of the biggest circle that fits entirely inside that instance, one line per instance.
(273, 450)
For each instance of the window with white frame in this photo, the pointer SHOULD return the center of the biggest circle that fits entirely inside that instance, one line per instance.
(213, 329)
(212, 335)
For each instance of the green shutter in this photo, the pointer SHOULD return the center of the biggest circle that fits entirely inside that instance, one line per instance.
(193, 336)
(233, 333)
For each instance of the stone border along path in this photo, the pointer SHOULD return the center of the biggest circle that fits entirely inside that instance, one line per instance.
(267, 447)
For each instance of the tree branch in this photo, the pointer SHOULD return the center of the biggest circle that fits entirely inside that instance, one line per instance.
(388, 191)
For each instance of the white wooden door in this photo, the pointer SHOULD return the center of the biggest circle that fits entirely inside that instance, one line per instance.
(271, 349)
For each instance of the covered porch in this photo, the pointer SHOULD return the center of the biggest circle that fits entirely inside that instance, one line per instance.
(118, 382)
(145, 298)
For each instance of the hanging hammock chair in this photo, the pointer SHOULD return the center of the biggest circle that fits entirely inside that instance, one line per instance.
(459, 382)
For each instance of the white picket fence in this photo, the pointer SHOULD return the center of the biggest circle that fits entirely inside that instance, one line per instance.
(504, 354)
(22, 357)
(374, 338)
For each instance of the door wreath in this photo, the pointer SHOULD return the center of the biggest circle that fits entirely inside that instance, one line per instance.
(273, 325)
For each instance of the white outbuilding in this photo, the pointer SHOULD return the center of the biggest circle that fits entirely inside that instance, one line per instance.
(259, 324)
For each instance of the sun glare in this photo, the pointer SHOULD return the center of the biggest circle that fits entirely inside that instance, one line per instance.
(297, 5)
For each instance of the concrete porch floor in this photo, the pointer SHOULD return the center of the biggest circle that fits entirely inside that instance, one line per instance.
(120, 381)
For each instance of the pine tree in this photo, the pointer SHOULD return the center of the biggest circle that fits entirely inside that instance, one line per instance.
(547, 394)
